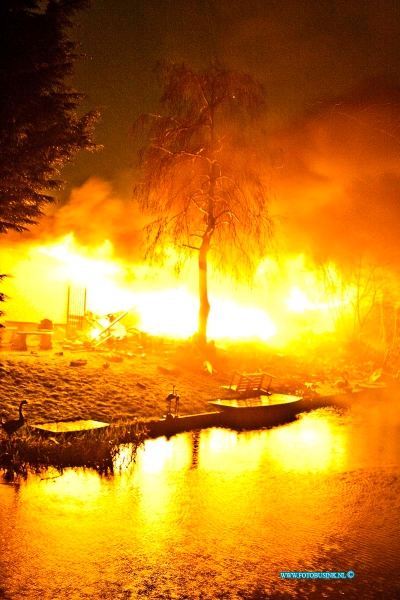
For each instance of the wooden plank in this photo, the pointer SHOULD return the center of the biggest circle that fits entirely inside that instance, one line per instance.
(38, 332)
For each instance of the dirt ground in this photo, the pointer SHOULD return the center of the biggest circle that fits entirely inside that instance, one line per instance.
(137, 386)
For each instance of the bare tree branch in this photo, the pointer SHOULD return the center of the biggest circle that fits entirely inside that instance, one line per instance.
(196, 174)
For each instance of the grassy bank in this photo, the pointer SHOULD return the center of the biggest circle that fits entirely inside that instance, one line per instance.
(106, 390)
(122, 384)
(102, 390)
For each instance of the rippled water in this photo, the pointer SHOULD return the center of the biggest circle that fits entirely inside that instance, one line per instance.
(218, 515)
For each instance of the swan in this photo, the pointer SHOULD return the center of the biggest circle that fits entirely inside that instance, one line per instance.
(343, 384)
(13, 425)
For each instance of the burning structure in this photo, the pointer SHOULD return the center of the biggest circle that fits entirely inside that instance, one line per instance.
(284, 300)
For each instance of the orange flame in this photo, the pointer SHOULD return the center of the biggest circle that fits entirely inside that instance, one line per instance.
(286, 298)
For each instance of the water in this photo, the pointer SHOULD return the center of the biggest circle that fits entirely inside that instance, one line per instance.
(217, 515)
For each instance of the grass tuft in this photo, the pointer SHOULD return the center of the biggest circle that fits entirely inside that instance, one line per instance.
(30, 450)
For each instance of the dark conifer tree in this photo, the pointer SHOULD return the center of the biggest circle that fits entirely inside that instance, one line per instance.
(40, 128)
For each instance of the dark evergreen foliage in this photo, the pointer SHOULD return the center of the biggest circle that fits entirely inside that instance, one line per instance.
(40, 129)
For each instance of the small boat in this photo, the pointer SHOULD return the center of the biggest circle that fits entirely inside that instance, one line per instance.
(73, 426)
(261, 411)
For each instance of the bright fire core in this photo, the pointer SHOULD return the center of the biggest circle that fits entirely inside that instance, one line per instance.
(276, 307)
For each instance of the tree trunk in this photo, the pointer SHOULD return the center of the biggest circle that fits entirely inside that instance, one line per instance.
(204, 309)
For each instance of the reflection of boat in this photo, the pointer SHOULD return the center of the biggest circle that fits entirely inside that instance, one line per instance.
(259, 411)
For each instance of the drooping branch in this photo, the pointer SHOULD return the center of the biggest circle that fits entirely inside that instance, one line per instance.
(196, 179)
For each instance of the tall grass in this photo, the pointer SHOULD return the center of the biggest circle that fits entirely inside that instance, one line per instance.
(29, 450)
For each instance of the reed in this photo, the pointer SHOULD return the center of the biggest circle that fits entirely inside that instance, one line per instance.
(97, 449)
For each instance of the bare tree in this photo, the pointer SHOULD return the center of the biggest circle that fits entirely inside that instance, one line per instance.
(359, 294)
(202, 176)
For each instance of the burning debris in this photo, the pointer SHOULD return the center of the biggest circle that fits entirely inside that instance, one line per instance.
(98, 330)
(80, 362)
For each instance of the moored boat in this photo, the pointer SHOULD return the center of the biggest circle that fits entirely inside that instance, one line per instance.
(262, 410)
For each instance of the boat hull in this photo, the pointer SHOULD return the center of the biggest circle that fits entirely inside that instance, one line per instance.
(262, 411)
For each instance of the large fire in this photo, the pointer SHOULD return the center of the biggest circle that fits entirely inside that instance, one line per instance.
(285, 300)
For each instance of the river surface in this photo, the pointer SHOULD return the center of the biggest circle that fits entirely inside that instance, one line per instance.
(217, 515)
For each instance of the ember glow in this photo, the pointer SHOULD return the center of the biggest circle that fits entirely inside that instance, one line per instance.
(285, 300)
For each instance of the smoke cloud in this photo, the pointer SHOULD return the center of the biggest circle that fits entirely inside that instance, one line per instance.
(339, 185)
(94, 213)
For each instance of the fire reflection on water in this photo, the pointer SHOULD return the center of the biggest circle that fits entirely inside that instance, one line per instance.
(312, 444)
(216, 511)
(309, 444)
(71, 490)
